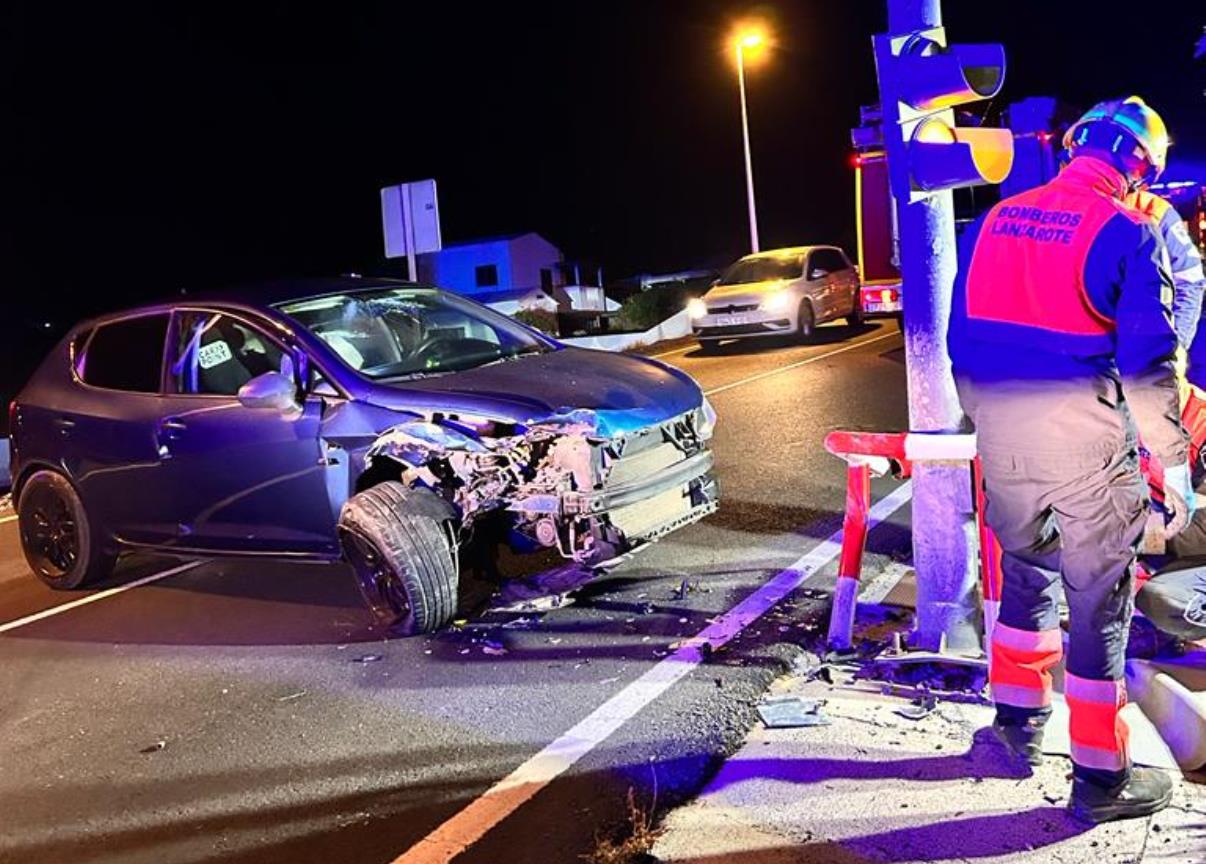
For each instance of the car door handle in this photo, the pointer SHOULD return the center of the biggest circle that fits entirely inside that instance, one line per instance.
(64, 425)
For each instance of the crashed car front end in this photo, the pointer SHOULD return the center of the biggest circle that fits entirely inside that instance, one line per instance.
(584, 482)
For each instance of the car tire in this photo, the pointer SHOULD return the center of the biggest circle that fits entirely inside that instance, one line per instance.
(56, 535)
(855, 318)
(401, 545)
(709, 346)
(806, 321)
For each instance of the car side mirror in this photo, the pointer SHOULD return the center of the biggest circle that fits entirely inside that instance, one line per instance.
(270, 390)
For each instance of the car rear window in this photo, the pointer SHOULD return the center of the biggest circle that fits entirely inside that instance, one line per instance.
(126, 355)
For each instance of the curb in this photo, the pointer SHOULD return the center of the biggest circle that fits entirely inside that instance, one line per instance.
(1177, 712)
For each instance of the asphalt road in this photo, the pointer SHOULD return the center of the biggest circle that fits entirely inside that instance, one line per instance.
(246, 711)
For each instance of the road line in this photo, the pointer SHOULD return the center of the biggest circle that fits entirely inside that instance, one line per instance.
(800, 363)
(682, 350)
(506, 796)
(93, 598)
(4, 519)
(878, 589)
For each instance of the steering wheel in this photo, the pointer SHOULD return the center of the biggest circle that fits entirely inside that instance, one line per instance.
(428, 344)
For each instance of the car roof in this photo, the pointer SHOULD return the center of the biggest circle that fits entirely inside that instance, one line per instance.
(278, 291)
(787, 250)
(263, 295)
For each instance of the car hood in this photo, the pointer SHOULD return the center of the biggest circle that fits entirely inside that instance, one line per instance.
(746, 289)
(614, 392)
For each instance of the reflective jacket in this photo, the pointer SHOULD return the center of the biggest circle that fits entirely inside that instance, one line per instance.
(1185, 262)
(1061, 321)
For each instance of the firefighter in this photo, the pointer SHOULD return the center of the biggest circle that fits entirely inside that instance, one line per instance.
(1185, 260)
(1062, 344)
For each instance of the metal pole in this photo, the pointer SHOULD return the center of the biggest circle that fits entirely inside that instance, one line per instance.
(944, 531)
(749, 163)
(408, 231)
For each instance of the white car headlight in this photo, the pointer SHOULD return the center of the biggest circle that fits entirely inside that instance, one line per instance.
(780, 301)
(696, 308)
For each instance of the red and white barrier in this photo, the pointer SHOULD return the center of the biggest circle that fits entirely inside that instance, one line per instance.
(882, 453)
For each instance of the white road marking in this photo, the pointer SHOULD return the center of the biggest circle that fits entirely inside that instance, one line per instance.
(682, 350)
(882, 585)
(503, 798)
(12, 518)
(93, 598)
(800, 363)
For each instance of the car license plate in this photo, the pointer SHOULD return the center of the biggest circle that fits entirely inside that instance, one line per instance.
(732, 320)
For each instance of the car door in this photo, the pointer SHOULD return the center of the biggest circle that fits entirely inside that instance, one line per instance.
(821, 284)
(251, 479)
(852, 289)
(104, 428)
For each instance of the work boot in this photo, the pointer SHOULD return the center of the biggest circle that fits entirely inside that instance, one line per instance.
(1024, 740)
(1147, 791)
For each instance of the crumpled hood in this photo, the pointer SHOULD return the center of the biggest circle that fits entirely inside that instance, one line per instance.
(624, 392)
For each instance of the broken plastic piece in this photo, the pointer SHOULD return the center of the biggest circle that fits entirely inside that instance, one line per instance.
(921, 707)
(792, 712)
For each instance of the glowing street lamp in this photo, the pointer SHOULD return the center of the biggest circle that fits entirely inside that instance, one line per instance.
(748, 41)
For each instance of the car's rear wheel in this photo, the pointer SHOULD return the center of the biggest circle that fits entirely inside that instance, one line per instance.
(56, 536)
(855, 318)
(709, 346)
(401, 544)
(806, 324)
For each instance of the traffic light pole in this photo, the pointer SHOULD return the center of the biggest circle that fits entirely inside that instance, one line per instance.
(944, 544)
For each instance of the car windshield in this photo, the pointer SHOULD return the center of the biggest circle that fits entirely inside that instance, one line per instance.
(764, 268)
(412, 332)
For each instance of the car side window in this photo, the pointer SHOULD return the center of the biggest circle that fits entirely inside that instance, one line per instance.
(125, 355)
(216, 354)
(816, 265)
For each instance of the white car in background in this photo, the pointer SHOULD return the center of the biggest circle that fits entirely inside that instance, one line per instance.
(781, 292)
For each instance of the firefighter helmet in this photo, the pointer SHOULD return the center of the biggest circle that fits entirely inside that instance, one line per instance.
(1111, 124)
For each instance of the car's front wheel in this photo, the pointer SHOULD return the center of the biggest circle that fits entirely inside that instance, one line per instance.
(56, 536)
(806, 324)
(401, 544)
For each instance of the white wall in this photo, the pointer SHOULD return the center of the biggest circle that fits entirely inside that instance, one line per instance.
(529, 254)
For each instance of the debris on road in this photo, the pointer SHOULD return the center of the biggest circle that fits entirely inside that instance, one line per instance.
(367, 658)
(920, 708)
(493, 649)
(792, 712)
(154, 748)
(291, 696)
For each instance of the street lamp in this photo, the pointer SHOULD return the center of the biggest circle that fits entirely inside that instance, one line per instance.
(748, 41)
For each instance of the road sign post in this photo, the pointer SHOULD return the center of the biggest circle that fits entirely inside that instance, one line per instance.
(410, 222)
(921, 79)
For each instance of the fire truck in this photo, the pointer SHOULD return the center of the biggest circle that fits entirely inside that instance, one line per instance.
(875, 218)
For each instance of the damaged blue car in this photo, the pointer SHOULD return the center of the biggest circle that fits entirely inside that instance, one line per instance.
(377, 421)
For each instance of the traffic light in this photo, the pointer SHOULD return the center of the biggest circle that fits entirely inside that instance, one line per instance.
(921, 80)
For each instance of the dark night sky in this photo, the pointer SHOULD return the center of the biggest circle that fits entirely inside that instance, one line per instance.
(181, 145)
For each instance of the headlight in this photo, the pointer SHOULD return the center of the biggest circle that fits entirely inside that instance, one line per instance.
(696, 308)
(707, 419)
(780, 301)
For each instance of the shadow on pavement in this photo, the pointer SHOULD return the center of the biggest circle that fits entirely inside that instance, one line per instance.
(371, 808)
(826, 334)
(1016, 832)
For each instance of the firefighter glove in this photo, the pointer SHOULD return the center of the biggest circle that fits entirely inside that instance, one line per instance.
(1179, 498)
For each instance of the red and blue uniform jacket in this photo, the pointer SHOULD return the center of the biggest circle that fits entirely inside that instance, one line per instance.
(1062, 284)
(1185, 262)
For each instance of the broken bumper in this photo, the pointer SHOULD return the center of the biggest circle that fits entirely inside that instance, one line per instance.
(649, 508)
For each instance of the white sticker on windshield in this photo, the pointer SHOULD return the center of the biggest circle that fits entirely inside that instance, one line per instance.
(213, 354)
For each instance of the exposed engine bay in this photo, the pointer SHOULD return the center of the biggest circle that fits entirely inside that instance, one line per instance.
(567, 482)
